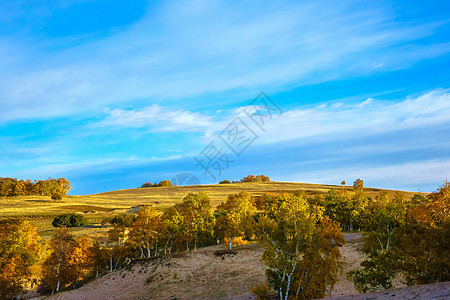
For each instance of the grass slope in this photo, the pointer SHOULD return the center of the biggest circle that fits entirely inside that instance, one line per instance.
(40, 210)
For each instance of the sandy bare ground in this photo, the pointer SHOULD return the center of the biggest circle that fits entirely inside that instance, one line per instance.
(200, 275)
(437, 291)
(206, 275)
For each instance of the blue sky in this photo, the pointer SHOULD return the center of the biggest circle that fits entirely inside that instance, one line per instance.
(111, 94)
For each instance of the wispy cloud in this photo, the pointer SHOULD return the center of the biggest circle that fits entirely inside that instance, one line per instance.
(334, 120)
(156, 117)
(368, 117)
(170, 55)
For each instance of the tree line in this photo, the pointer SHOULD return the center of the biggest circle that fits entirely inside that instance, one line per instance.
(50, 186)
(166, 183)
(301, 236)
(249, 178)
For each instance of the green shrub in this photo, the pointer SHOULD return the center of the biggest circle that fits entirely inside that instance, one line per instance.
(69, 220)
(56, 196)
(226, 181)
(124, 219)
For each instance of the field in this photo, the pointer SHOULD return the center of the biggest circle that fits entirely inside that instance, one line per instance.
(40, 210)
(182, 275)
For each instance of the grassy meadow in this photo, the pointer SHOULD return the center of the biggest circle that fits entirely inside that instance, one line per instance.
(40, 210)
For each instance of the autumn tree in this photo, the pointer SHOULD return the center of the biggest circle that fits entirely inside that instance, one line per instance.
(358, 184)
(338, 207)
(166, 183)
(147, 230)
(299, 245)
(424, 240)
(197, 220)
(249, 178)
(253, 178)
(346, 210)
(235, 217)
(99, 257)
(125, 220)
(406, 238)
(118, 251)
(173, 222)
(18, 252)
(380, 220)
(14, 187)
(357, 205)
(68, 262)
(7, 187)
(320, 267)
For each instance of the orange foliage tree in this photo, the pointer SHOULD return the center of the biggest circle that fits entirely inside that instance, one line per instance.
(18, 251)
(70, 260)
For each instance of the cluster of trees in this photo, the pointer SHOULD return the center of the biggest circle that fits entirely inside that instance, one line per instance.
(258, 178)
(14, 187)
(301, 236)
(411, 238)
(301, 247)
(166, 183)
(19, 251)
(249, 178)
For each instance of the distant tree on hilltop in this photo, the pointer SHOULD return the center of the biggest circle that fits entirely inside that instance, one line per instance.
(253, 178)
(166, 183)
(358, 184)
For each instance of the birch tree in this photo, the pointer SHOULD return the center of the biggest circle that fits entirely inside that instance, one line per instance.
(289, 231)
(146, 231)
(235, 217)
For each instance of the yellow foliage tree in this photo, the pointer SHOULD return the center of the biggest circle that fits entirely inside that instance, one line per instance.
(147, 230)
(235, 217)
(300, 247)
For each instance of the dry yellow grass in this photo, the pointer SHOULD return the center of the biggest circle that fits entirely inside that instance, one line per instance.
(40, 210)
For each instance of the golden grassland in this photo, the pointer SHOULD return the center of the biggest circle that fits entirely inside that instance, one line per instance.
(40, 210)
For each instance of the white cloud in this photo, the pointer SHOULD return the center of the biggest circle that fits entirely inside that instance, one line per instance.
(155, 116)
(335, 120)
(185, 49)
(368, 117)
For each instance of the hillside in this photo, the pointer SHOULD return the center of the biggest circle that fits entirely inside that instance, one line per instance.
(206, 274)
(40, 210)
(209, 274)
